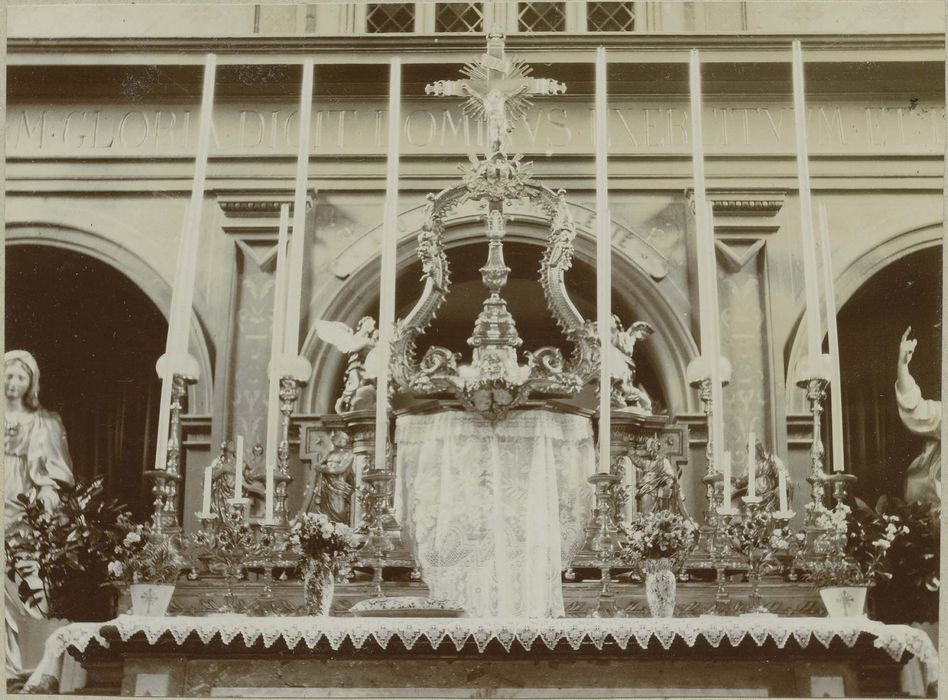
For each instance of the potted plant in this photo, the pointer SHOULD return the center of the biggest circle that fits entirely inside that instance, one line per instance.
(148, 562)
(58, 558)
(656, 542)
(325, 549)
(56, 562)
(910, 595)
(848, 555)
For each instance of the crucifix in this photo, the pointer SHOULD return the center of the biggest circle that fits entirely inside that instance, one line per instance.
(498, 90)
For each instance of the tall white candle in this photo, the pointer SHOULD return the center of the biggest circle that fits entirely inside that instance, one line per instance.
(182, 295)
(810, 278)
(208, 486)
(836, 382)
(295, 261)
(603, 263)
(389, 249)
(782, 490)
(707, 267)
(726, 474)
(752, 465)
(276, 346)
(239, 469)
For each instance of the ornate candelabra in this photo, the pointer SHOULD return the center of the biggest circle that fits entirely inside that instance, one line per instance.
(814, 380)
(602, 539)
(718, 549)
(377, 544)
(289, 393)
(755, 538)
(230, 544)
(166, 481)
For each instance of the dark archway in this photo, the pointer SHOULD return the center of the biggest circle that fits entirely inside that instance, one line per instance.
(905, 293)
(96, 337)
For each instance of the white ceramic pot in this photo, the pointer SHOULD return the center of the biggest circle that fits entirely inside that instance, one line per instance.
(844, 601)
(150, 599)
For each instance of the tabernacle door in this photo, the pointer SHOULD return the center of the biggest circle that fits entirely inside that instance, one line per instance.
(495, 511)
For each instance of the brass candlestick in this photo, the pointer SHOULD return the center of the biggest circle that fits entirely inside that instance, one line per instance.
(166, 481)
(815, 382)
(602, 538)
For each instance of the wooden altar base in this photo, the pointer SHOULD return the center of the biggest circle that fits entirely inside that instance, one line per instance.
(214, 669)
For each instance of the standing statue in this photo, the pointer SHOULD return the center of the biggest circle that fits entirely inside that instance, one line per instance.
(922, 417)
(358, 391)
(767, 480)
(36, 464)
(334, 481)
(625, 393)
(657, 481)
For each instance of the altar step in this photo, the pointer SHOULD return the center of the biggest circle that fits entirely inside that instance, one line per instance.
(580, 597)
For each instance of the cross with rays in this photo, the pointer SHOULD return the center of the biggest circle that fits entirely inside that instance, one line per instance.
(498, 90)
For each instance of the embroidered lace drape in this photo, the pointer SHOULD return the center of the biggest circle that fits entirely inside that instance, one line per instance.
(645, 633)
(495, 512)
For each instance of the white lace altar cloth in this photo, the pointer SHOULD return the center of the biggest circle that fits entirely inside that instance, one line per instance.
(442, 632)
(495, 512)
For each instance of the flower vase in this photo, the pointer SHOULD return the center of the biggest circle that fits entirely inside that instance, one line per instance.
(150, 599)
(318, 587)
(660, 587)
(844, 601)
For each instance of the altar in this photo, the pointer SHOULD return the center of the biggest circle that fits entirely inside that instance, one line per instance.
(481, 657)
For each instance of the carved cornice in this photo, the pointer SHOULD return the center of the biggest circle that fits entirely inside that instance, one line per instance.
(239, 208)
(767, 207)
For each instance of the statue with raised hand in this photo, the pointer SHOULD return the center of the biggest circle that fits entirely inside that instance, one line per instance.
(922, 417)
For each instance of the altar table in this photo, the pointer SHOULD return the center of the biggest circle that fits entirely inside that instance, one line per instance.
(471, 657)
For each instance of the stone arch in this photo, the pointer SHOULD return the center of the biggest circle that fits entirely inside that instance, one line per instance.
(142, 274)
(846, 284)
(661, 303)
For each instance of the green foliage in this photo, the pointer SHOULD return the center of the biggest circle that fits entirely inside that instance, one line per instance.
(58, 559)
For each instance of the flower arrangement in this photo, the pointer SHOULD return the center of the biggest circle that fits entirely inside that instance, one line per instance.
(757, 537)
(658, 535)
(58, 558)
(321, 543)
(145, 556)
(850, 550)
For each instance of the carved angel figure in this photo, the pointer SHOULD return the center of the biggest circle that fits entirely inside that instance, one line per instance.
(358, 392)
(625, 393)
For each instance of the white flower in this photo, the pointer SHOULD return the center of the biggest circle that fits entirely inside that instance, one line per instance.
(116, 570)
(132, 538)
(881, 544)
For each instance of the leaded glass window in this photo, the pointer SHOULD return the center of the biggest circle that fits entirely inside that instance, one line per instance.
(459, 17)
(610, 17)
(390, 17)
(542, 16)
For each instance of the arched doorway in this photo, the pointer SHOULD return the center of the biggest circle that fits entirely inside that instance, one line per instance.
(96, 337)
(905, 293)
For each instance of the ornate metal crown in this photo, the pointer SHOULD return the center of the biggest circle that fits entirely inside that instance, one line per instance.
(498, 91)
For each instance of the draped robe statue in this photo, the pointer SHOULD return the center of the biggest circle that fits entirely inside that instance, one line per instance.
(36, 463)
(922, 417)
